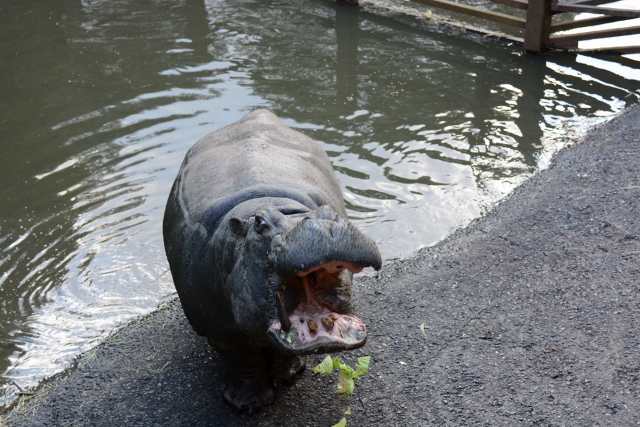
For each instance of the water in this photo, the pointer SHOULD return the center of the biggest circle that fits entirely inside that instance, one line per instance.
(100, 100)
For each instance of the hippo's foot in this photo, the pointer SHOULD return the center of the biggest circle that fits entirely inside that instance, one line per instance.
(249, 395)
(283, 368)
(249, 390)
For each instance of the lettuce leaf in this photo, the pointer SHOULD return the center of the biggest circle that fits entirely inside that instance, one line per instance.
(346, 374)
(341, 423)
(345, 383)
(362, 366)
(324, 367)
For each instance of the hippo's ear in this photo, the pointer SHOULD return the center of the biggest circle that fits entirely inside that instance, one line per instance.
(237, 226)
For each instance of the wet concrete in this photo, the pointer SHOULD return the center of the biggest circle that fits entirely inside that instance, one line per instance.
(531, 317)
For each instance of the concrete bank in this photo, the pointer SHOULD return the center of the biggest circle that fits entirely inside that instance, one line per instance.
(531, 317)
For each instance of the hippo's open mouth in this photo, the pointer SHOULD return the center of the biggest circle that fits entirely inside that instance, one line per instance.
(311, 315)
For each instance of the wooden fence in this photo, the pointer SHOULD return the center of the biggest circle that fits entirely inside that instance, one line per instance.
(540, 32)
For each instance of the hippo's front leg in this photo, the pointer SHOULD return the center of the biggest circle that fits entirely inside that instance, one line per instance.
(283, 367)
(249, 389)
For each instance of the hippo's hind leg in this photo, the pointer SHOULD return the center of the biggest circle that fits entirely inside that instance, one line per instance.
(249, 390)
(283, 368)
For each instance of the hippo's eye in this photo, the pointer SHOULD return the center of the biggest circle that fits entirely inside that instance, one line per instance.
(260, 224)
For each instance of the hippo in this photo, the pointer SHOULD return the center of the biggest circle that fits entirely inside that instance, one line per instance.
(262, 254)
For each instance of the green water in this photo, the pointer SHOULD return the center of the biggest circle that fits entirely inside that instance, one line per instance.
(100, 100)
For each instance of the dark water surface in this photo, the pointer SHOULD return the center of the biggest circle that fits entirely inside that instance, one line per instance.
(100, 100)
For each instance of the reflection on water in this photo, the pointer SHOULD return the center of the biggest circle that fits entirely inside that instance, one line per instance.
(101, 99)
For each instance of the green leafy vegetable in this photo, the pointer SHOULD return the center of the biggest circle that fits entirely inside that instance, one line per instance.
(324, 367)
(287, 336)
(346, 374)
(362, 365)
(341, 423)
(345, 383)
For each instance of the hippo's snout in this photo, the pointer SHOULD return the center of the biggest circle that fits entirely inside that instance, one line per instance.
(316, 241)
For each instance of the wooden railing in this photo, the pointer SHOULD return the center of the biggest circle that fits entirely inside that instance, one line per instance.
(539, 30)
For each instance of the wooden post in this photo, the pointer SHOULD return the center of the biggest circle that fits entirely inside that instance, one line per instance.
(537, 27)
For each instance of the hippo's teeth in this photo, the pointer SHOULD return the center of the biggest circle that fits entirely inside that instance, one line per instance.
(327, 323)
(285, 323)
(333, 316)
(313, 327)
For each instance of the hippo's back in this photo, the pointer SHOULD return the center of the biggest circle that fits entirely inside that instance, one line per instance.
(255, 157)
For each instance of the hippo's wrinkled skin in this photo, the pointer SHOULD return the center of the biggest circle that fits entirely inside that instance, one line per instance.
(262, 254)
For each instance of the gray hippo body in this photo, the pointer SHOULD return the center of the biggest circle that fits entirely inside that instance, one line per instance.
(262, 255)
